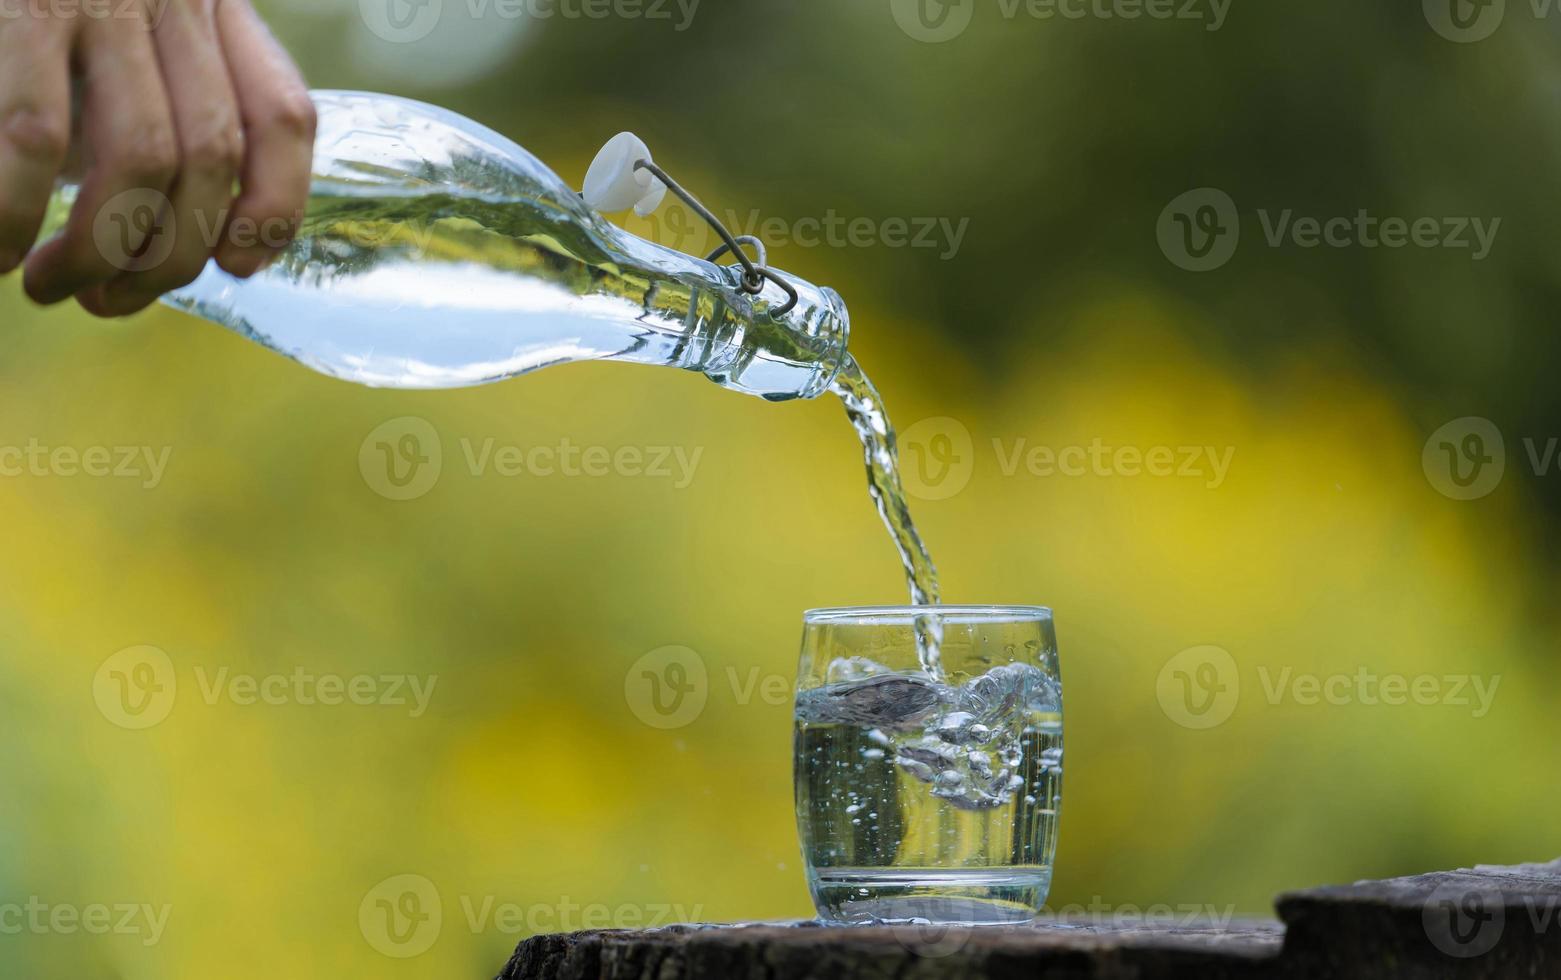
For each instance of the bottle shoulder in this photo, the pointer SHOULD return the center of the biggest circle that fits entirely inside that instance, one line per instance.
(374, 144)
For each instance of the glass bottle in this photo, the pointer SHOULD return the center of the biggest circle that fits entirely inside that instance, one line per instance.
(436, 253)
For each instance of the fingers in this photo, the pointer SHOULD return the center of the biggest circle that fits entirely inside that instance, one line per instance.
(173, 112)
(120, 219)
(279, 122)
(34, 125)
(211, 150)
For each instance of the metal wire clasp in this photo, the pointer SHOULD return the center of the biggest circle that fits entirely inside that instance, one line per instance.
(754, 273)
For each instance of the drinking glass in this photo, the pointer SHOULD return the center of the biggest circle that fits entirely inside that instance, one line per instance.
(928, 762)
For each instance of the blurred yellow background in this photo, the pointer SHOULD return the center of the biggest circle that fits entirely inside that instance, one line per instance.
(527, 793)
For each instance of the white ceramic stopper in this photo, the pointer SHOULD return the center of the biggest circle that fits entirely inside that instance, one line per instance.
(612, 184)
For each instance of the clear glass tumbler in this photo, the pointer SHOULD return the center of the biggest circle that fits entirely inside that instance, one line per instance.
(928, 762)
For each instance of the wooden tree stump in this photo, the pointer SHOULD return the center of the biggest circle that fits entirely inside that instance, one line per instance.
(1484, 922)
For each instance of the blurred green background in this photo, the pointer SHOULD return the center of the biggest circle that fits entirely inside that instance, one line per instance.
(530, 789)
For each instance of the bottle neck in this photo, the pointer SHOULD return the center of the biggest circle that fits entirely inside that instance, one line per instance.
(737, 339)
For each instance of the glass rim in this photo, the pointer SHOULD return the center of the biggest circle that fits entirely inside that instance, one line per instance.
(906, 615)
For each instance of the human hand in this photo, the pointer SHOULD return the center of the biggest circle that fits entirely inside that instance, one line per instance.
(178, 101)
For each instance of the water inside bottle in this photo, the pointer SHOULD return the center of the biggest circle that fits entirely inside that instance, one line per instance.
(434, 290)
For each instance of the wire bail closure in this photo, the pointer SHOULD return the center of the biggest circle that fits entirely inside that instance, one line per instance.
(754, 273)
